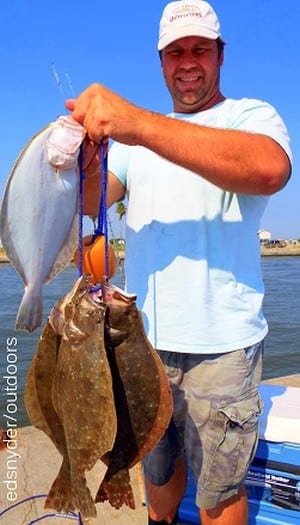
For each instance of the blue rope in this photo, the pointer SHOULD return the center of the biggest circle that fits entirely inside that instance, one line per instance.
(60, 515)
(104, 206)
(102, 224)
(80, 229)
(102, 227)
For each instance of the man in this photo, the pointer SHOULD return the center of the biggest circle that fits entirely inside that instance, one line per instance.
(197, 181)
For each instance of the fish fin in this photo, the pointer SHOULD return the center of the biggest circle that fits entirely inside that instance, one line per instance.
(82, 497)
(60, 497)
(6, 236)
(66, 252)
(117, 490)
(29, 315)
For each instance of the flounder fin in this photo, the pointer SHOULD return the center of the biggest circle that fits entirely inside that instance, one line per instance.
(22, 153)
(29, 315)
(66, 253)
(82, 497)
(117, 490)
(60, 497)
(65, 497)
(7, 239)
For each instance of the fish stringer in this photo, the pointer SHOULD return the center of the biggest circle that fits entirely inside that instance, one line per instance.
(101, 229)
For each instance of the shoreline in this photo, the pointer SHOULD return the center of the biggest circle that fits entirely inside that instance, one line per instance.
(119, 255)
(293, 250)
(289, 250)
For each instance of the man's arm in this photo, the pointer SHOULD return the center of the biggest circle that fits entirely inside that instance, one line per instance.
(92, 181)
(234, 160)
(92, 189)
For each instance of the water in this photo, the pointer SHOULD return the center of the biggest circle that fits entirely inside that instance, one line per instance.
(282, 306)
(282, 310)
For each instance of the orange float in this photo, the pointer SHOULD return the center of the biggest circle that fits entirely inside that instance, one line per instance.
(93, 258)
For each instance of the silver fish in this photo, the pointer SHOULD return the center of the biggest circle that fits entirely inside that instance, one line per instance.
(39, 212)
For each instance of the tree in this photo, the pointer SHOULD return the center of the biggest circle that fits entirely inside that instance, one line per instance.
(121, 209)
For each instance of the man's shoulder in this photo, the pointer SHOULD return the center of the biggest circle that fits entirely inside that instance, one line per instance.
(229, 107)
(247, 113)
(247, 102)
(244, 104)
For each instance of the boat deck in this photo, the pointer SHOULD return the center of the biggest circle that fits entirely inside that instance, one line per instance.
(36, 464)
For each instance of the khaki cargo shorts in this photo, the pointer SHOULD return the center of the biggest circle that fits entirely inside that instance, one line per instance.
(215, 422)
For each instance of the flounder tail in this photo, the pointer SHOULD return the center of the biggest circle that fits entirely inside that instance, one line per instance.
(83, 500)
(29, 315)
(60, 497)
(117, 490)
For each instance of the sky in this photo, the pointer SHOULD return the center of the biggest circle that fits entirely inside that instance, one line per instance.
(114, 43)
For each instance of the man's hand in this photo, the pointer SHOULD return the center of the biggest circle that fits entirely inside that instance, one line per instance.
(105, 114)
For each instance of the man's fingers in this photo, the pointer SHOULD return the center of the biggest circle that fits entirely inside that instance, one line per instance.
(90, 156)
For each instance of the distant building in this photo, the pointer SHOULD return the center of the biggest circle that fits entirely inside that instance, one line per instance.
(264, 236)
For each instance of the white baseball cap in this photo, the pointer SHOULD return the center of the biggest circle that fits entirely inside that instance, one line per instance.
(187, 18)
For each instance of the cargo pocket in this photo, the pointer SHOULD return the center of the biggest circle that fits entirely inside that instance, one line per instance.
(236, 441)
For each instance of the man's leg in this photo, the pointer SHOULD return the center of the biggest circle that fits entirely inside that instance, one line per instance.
(164, 500)
(233, 511)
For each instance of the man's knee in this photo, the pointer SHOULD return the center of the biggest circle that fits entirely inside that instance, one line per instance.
(163, 522)
(232, 511)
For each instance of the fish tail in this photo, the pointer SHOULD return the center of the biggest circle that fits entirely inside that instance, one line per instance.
(29, 315)
(117, 490)
(82, 497)
(66, 495)
(60, 497)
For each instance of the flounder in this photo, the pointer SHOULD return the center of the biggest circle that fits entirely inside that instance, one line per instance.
(98, 389)
(38, 216)
(40, 410)
(142, 393)
(69, 395)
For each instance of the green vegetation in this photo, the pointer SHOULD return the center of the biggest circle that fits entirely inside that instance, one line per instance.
(121, 209)
(118, 244)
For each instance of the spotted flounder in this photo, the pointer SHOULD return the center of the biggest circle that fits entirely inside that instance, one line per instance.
(69, 394)
(142, 393)
(38, 216)
(98, 389)
(40, 409)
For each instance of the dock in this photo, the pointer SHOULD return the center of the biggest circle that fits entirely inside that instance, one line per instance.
(290, 380)
(35, 462)
(36, 467)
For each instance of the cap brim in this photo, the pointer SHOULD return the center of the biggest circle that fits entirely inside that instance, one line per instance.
(184, 31)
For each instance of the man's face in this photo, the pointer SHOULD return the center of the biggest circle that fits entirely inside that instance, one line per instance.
(191, 67)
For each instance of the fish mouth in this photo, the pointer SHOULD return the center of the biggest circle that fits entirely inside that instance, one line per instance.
(106, 294)
(113, 295)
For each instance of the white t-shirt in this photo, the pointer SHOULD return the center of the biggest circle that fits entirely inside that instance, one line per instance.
(192, 249)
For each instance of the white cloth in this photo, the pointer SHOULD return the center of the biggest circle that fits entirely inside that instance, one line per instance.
(192, 249)
(64, 142)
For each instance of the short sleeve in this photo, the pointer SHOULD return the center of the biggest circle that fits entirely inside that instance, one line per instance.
(118, 161)
(260, 117)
